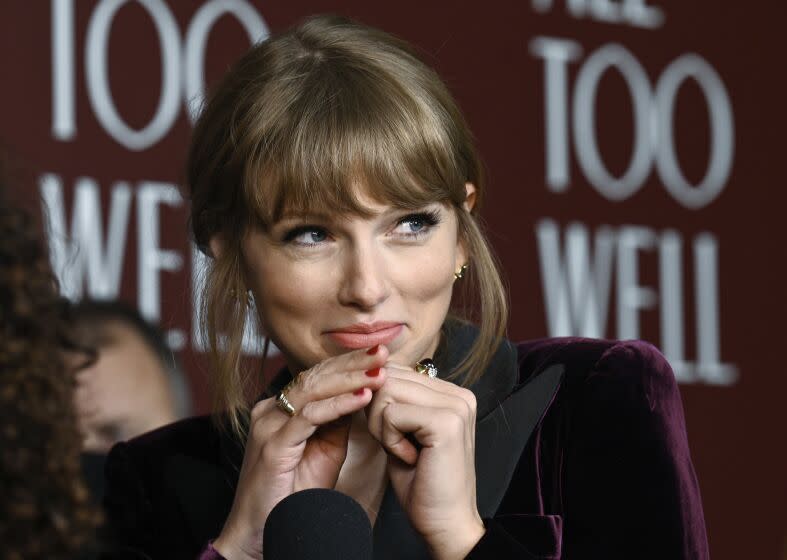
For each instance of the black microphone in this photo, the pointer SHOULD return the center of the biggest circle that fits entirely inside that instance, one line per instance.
(317, 524)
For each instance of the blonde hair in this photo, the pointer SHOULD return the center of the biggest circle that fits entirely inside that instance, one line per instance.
(297, 122)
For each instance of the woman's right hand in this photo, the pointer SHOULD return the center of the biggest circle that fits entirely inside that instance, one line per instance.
(286, 454)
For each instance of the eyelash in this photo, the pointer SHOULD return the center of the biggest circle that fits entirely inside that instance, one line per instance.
(429, 218)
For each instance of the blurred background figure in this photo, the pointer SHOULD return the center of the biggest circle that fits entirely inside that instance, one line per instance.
(133, 385)
(45, 511)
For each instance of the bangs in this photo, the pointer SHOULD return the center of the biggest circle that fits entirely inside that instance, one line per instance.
(350, 130)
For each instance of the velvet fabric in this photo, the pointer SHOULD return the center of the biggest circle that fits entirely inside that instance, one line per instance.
(581, 452)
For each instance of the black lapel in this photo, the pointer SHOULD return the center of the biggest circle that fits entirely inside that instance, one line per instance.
(502, 434)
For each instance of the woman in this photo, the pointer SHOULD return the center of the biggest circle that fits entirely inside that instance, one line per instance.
(335, 185)
(45, 508)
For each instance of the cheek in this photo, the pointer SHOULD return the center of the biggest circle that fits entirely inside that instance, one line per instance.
(425, 292)
(426, 285)
(433, 279)
(287, 292)
(432, 273)
(294, 303)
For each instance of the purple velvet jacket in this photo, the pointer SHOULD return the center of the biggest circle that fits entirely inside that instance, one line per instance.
(581, 452)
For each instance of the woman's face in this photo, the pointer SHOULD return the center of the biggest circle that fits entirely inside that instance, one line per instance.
(327, 284)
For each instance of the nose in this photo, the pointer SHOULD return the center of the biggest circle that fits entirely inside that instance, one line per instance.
(365, 282)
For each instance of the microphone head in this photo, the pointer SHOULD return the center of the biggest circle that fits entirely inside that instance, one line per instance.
(317, 524)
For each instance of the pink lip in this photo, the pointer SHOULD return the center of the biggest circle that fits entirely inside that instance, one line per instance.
(364, 335)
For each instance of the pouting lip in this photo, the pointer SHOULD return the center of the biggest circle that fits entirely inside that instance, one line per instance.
(366, 328)
(356, 340)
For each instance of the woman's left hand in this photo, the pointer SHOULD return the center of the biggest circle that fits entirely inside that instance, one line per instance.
(435, 485)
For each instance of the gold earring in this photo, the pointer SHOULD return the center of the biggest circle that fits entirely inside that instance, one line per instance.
(460, 273)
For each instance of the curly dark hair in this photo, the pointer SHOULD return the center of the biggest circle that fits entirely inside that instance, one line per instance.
(45, 509)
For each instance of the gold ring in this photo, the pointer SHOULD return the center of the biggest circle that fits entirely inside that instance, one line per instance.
(284, 403)
(426, 367)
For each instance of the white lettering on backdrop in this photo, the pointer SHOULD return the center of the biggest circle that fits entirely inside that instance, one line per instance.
(577, 281)
(653, 117)
(626, 12)
(182, 75)
(83, 262)
(88, 260)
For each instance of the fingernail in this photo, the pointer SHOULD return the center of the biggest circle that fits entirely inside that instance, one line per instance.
(360, 391)
(373, 350)
(373, 372)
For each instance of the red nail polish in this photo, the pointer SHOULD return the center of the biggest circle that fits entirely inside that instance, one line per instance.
(373, 372)
(373, 350)
(359, 392)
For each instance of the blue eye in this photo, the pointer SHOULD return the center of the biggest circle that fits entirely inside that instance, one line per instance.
(415, 224)
(307, 235)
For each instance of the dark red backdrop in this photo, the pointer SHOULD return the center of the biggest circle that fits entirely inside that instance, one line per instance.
(699, 271)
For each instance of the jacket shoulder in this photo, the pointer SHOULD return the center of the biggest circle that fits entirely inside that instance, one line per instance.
(168, 491)
(588, 360)
(142, 461)
(612, 456)
(195, 437)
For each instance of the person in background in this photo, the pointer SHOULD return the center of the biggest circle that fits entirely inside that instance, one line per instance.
(45, 510)
(133, 386)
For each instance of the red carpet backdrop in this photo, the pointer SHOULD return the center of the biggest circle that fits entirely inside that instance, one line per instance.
(635, 157)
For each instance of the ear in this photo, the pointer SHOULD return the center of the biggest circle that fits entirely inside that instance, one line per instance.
(216, 244)
(469, 204)
(469, 197)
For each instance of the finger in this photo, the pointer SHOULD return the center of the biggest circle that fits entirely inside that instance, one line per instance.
(261, 408)
(397, 370)
(341, 374)
(408, 391)
(314, 414)
(430, 427)
(409, 373)
(265, 420)
(396, 443)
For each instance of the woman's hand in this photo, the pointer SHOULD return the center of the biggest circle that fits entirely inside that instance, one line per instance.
(436, 484)
(286, 454)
